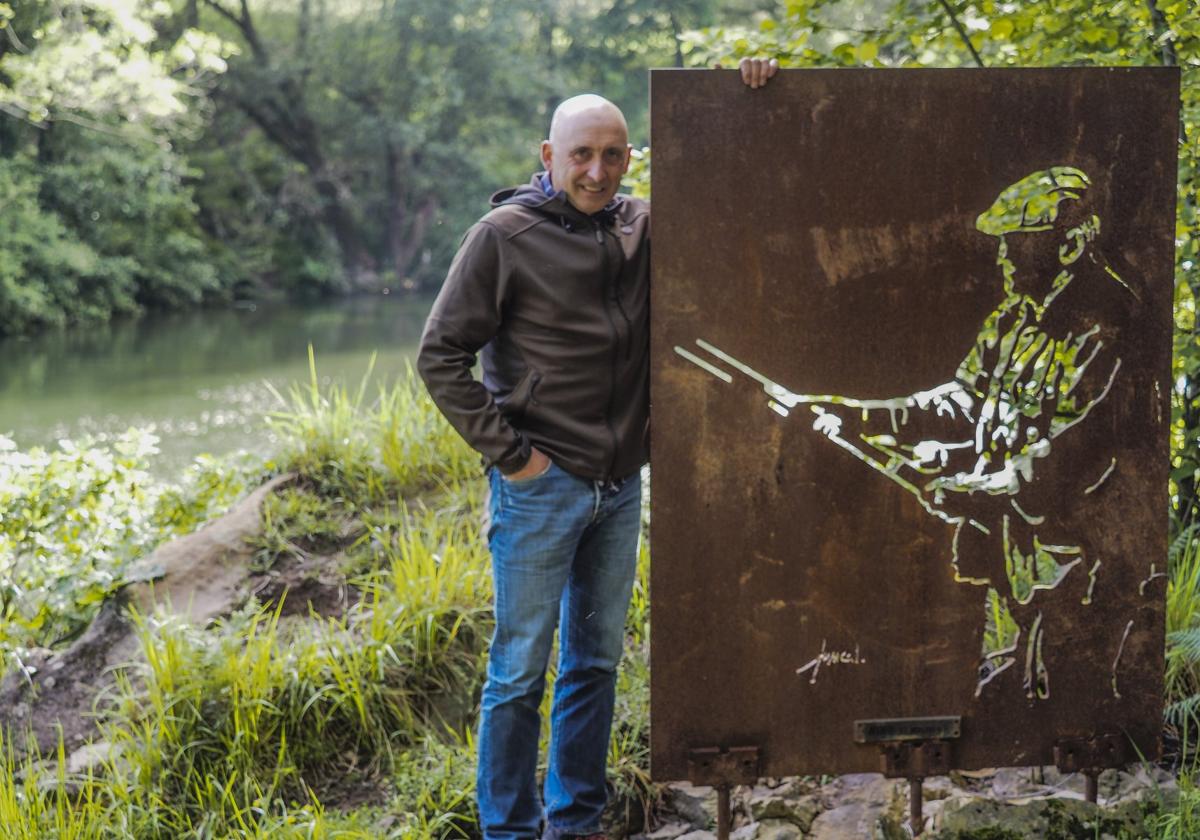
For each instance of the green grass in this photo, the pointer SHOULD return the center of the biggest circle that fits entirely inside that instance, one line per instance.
(368, 452)
(1179, 820)
(298, 523)
(1182, 679)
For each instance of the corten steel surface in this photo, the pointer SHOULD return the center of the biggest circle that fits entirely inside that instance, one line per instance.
(910, 371)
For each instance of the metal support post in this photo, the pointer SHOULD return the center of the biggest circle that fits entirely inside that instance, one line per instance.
(724, 813)
(916, 805)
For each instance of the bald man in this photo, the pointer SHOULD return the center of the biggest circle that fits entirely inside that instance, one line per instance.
(552, 287)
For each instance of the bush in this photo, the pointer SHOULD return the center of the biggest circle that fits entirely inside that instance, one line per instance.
(72, 520)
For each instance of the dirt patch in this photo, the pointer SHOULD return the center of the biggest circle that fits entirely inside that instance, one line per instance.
(354, 789)
(56, 692)
(306, 585)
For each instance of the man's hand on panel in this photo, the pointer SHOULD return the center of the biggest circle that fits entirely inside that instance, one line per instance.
(756, 71)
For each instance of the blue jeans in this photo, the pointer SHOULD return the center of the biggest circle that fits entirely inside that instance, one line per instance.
(564, 553)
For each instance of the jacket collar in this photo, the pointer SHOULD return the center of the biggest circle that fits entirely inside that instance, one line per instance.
(540, 195)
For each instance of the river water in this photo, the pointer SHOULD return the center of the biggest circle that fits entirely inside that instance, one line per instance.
(197, 379)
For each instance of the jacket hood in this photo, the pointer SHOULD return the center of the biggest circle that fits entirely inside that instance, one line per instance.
(534, 195)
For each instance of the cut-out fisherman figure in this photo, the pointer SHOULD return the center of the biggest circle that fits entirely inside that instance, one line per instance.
(984, 434)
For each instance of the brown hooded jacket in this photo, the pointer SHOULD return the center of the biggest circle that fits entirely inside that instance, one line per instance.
(558, 303)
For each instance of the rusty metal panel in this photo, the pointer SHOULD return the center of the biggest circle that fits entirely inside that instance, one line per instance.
(910, 370)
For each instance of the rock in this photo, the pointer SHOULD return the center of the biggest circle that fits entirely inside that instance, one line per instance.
(933, 811)
(1013, 782)
(698, 835)
(846, 822)
(972, 779)
(868, 789)
(668, 831)
(1039, 818)
(204, 575)
(88, 757)
(1142, 783)
(864, 805)
(747, 832)
(799, 811)
(696, 805)
(937, 787)
(778, 830)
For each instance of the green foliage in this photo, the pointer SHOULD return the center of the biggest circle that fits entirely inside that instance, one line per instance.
(436, 785)
(413, 113)
(208, 487)
(635, 796)
(1182, 681)
(242, 729)
(49, 275)
(1181, 819)
(133, 206)
(72, 520)
(102, 60)
(192, 152)
(229, 726)
(637, 179)
(297, 523)
(99, 221)
(30, 807)
(358, 145)
(103, 230)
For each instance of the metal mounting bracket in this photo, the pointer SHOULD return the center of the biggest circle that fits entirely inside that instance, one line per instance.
(715, 766)
(1089, 756)
(913, 749)
(723, 769)
(903, 760)
(1077, 755)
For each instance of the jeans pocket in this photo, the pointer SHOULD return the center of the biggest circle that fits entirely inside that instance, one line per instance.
(518, 481)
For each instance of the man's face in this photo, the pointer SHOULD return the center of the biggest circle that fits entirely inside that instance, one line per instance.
(1035, 261)
(586, 156)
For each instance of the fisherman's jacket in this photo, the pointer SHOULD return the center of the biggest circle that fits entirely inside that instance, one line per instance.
(557, 304)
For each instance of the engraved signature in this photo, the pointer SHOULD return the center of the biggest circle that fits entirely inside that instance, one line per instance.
(830, 657)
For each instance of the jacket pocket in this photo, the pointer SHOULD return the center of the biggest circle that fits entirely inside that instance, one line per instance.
(522, 394)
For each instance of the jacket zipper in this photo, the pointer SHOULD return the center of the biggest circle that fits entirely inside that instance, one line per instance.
(617, 298)
(612, 371)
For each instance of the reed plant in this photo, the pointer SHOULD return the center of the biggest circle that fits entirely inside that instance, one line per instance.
(369, 451)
